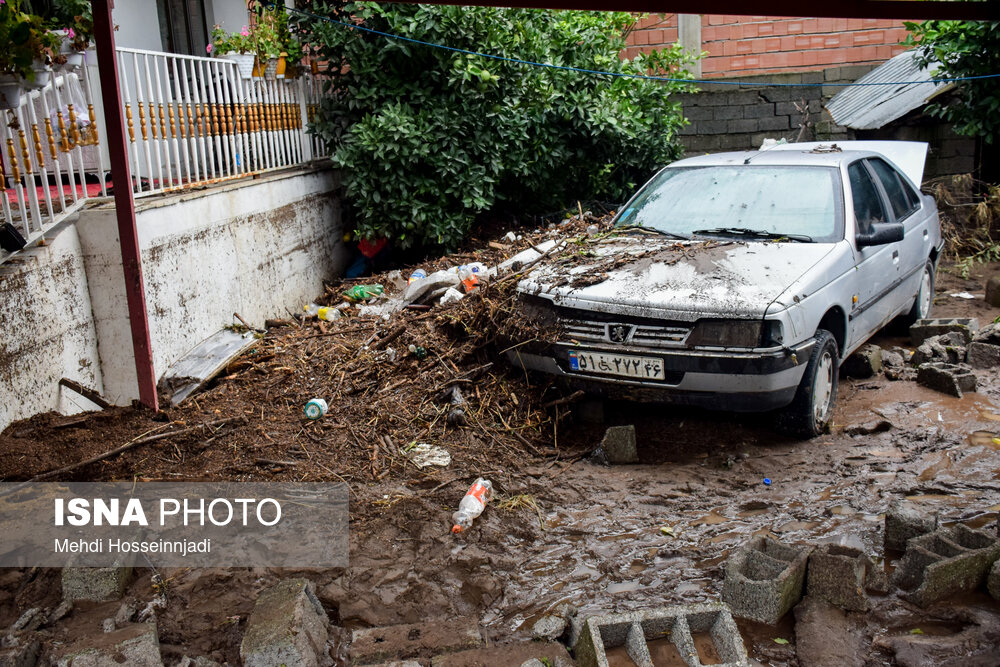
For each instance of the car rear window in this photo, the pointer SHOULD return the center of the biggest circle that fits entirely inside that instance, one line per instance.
(800, 200)
(901, 197)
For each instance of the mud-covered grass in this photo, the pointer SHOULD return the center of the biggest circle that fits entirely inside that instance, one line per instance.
(560, 528)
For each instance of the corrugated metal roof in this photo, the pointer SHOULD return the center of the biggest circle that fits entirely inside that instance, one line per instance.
(872, 107)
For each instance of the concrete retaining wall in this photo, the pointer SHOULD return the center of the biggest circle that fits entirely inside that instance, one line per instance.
(254, 247)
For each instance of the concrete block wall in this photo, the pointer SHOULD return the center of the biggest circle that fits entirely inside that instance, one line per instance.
(749, 45)
(252, 246)
(728, 117)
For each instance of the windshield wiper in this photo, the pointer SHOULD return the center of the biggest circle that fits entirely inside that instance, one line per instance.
(755, 233)
(652, 230)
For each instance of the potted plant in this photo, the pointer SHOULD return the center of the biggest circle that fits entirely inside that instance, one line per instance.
(72, 22)
(278, 51)
(26, 51)
(238, 47)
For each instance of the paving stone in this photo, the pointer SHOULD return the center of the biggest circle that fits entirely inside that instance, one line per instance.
(135, 645)
(840, 575)
(288, 626)
(951, 379)
(764, 579)
(679, 625)
(921, 330)
(904, 521)
(948, 561)
(554, 654)
(619, 444)
(993, 580)
(982, 355)
(866, 362)
(414, 640)
(95, 584)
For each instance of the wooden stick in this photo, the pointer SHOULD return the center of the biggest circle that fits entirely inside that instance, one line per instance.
(566, 399)
(86, 392)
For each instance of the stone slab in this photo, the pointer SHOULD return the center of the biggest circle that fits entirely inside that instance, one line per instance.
(95, 584)
(288, 626)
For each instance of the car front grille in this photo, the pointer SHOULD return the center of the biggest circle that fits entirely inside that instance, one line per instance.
(666, 335)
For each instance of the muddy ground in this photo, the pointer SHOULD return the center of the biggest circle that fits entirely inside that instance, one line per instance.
(560, 528)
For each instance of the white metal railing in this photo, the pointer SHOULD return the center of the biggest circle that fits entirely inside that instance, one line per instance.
(50, 163)
(195, 121)
(191, 121)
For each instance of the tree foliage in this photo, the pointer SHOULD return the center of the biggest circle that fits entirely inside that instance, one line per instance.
(428, 138)
(956, 49)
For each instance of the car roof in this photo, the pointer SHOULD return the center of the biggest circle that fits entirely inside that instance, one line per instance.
(777, 158)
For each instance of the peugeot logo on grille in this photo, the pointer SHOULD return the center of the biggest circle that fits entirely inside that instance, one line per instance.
(620, 333)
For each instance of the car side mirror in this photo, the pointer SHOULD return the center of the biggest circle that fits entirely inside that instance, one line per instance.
(882, 233)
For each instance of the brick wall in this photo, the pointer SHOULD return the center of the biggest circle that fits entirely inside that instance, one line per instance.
(746, 45)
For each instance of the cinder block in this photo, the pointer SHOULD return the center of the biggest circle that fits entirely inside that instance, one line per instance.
(947, 378)
(945, 562)
(993, 580)
(840, 574)
(373, 645)
(686, 629)
(95, 584)
(866, 362)
(921, 330)
(903, 522)
(288, 626)
(135, 645)
(764, 579)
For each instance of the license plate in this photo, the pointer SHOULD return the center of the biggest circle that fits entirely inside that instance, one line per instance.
(643, 368)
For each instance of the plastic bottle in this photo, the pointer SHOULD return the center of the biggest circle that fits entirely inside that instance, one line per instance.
(469, 279)
(322, 312)
(316, 408)
(419, 274)
(472, 504)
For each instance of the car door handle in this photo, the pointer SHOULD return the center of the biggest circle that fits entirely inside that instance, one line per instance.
(895, 257)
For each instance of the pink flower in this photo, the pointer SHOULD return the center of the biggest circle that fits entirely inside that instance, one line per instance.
(245, 32)
(208, 48)
(69, 32)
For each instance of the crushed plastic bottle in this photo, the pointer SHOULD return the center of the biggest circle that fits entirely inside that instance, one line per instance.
(330, 314)
(419, 274)
(363, 292)
(472, 504)
(470, 280)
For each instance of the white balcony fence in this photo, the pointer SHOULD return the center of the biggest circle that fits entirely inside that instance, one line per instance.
(191, 122)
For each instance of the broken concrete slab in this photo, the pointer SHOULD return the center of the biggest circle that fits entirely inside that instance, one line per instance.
(414, 640)
(549, 628)
(866, 362)
(288, 626)
(840, 575)
(982, 355)
(990, 334)
(952, 379)
(904, 521)
(993, 580)
(764, 579)
(552, 654)
(921, 330)
(135, 645)
(975, 643)
(825, 635)
(641, 632)
(948, 561)
(95, 584)
(619, 446)
(948, 348)
(19, 651)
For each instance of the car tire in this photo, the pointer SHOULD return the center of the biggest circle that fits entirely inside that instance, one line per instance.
(924, 299)
(810, 411)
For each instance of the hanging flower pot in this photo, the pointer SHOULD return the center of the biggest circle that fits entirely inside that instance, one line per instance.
(10, 91)
(280, 67)
(73, 57)
(43, 74)
(244, 63)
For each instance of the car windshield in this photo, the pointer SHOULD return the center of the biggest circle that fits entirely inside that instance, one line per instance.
(771, 202)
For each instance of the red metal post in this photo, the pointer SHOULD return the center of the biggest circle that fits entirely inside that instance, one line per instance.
(121, 175)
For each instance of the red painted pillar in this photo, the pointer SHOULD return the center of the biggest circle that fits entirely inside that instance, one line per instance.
(128, 236)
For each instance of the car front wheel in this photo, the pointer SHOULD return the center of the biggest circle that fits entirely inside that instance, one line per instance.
(809, 413)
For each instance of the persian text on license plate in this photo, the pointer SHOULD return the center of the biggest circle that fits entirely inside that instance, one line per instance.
(643, 368)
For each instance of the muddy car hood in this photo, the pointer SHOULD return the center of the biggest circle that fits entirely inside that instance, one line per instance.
(682, 280)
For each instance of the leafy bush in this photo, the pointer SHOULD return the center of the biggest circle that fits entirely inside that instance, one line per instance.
(963, 49)
(428, 138)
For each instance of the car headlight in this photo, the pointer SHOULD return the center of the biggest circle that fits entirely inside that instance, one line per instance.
(727, 333)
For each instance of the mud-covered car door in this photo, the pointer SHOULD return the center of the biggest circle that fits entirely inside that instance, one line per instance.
(904, 204)
(877, 265)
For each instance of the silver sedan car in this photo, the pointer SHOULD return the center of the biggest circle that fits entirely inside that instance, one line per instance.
(740, 281)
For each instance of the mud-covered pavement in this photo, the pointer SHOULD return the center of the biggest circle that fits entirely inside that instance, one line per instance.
(564, 529)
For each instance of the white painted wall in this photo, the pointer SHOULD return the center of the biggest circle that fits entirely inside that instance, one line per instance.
(48, 331)
(252, 247)
(138, 24)
(230, 14)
